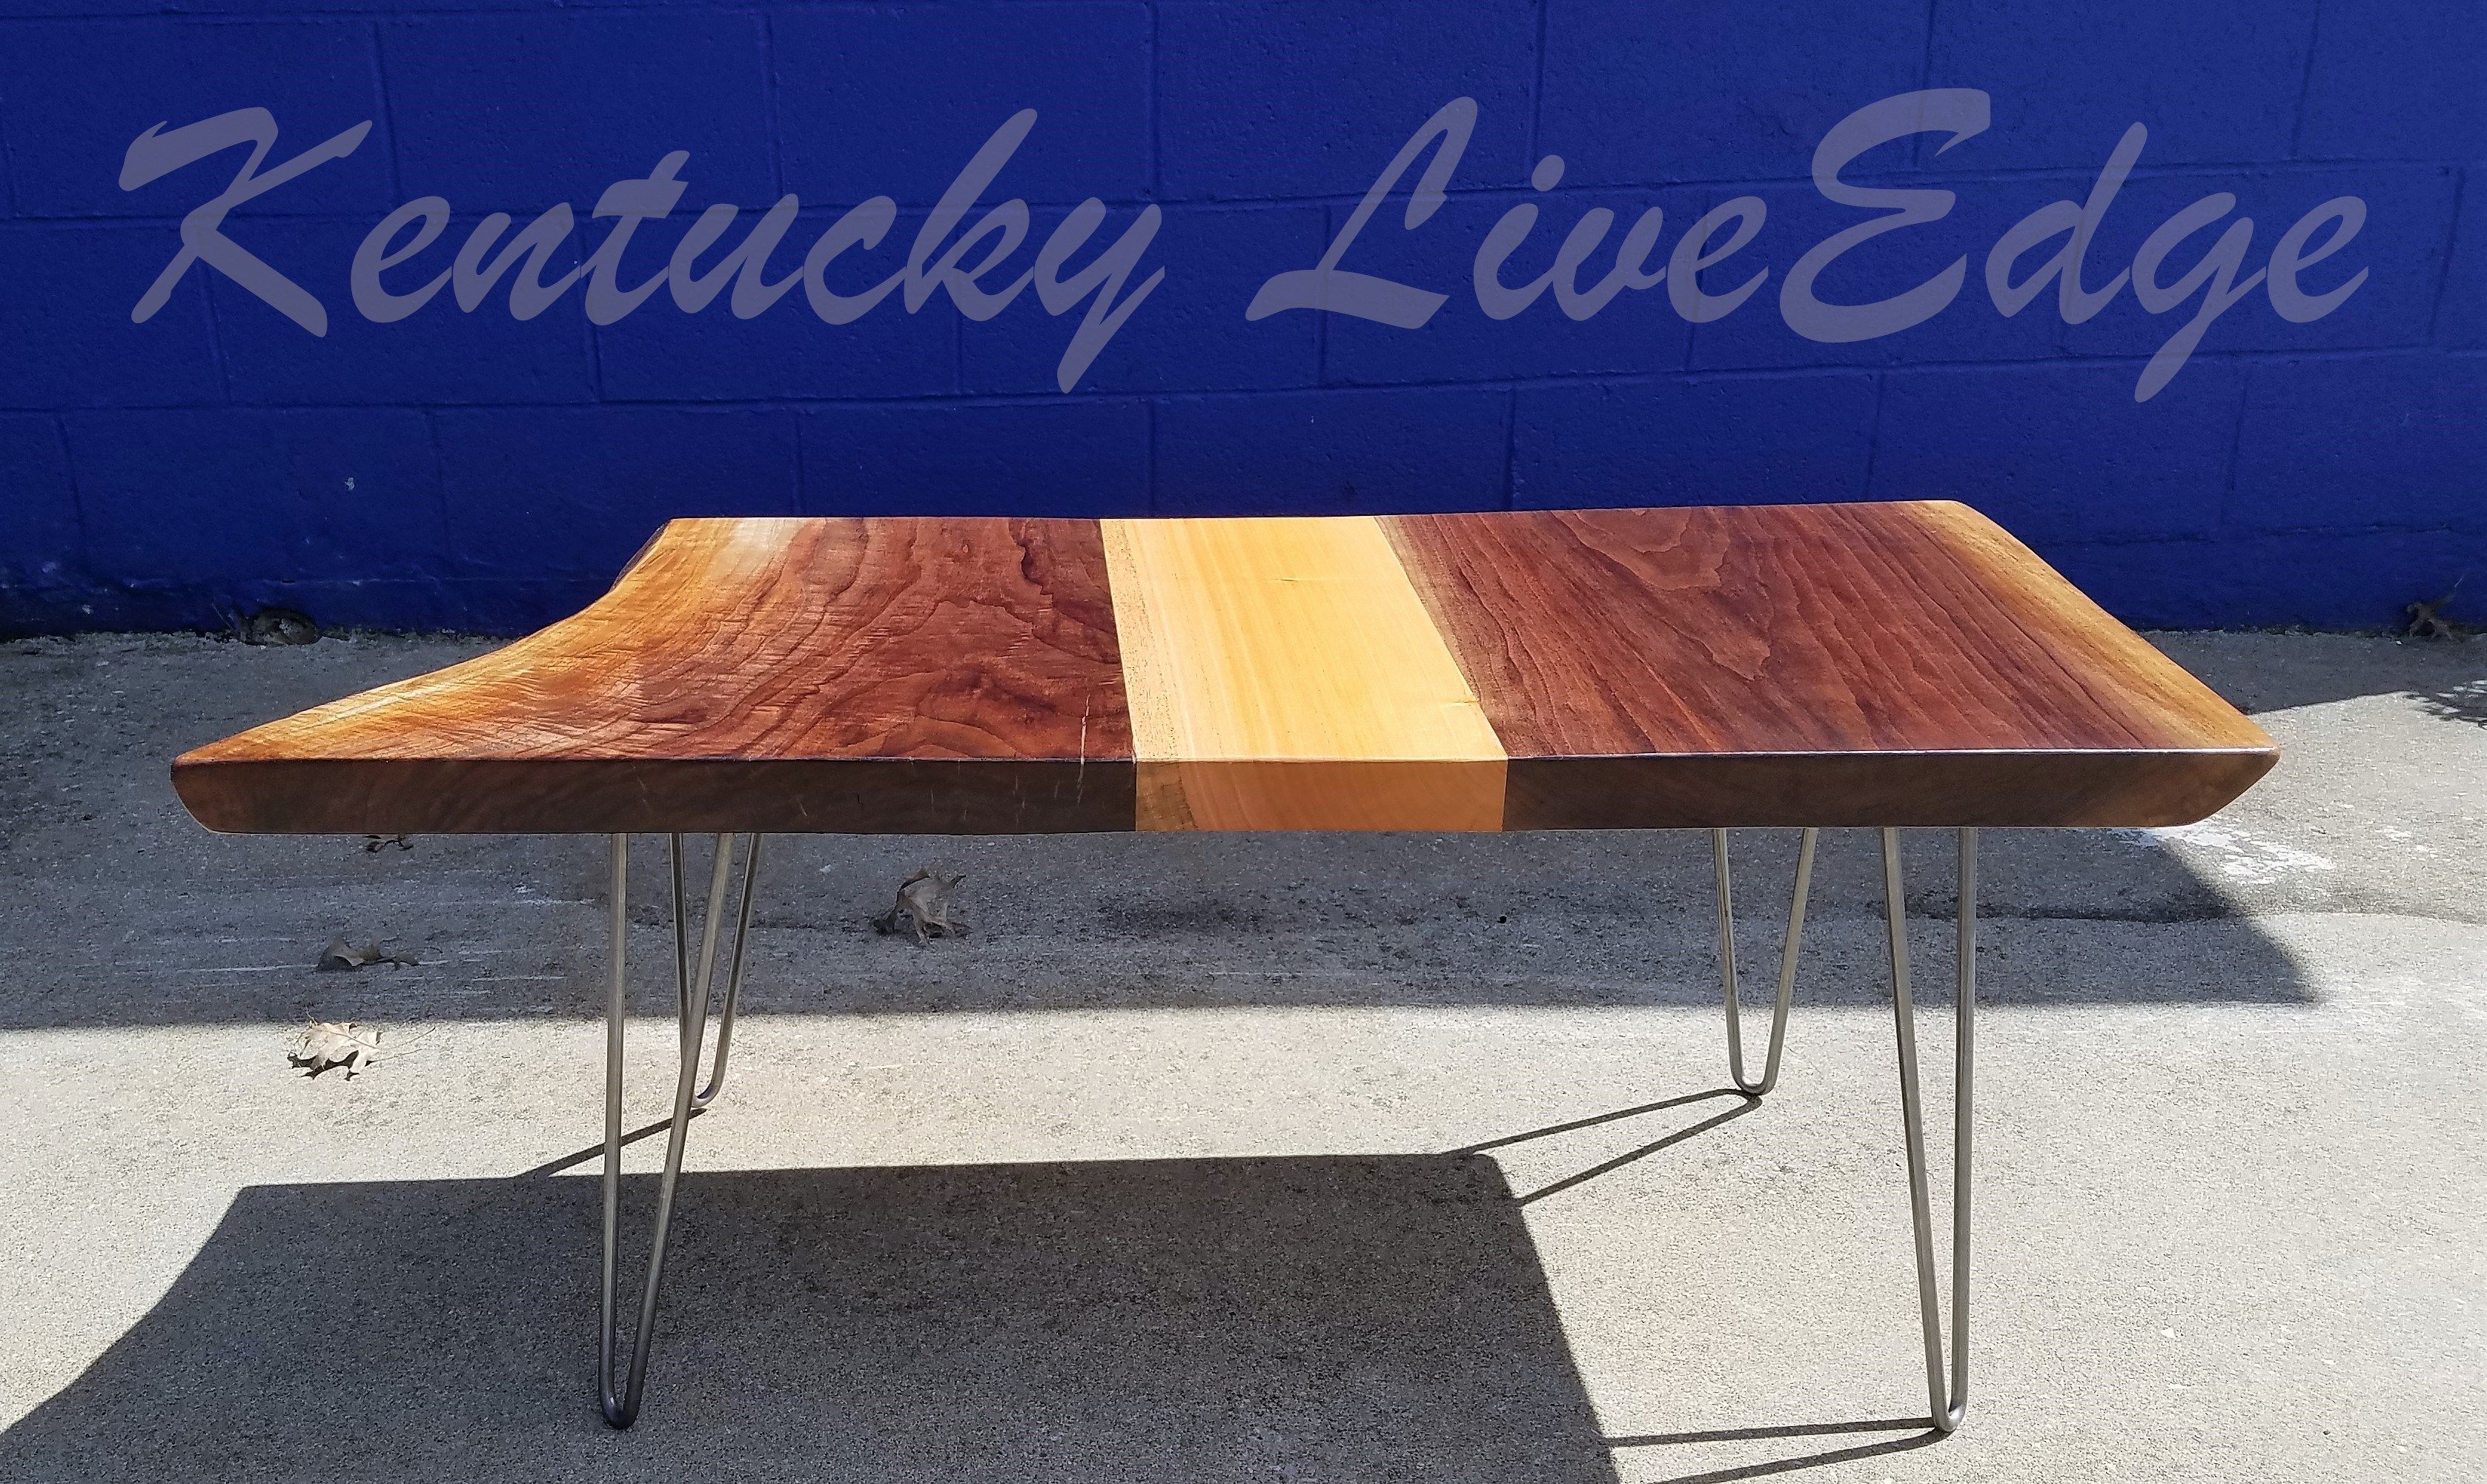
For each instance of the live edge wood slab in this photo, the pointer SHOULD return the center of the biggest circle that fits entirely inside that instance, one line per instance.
(1862, 665)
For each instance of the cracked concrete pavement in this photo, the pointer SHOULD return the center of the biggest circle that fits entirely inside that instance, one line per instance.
(1300, 1157)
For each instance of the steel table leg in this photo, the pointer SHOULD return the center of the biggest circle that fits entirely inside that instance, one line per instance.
(691, 1000)
(1946, 1389)
(1946, 1396)
(1788, 947)
(734, 970)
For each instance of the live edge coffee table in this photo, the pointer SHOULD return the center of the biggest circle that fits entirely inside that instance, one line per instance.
(1885, 665)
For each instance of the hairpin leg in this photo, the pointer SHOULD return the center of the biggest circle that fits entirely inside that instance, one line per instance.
(733, 969)
(1948, 1400)
(622, 1406)
(1787, 965)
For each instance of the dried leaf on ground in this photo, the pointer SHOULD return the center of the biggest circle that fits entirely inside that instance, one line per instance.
(320, 1045)
(924, 908)
(341, 954)
(277, 625)
(2426, 620)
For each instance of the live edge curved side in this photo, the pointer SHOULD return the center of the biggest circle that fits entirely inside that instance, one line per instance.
(1883, 664)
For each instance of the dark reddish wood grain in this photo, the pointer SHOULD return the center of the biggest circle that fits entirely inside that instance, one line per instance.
(1812, 664)
(831, 674)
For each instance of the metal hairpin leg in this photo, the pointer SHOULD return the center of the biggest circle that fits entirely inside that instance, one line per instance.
(1949, 1403)
(1787, 965)
(734, 970)
(622, 1408)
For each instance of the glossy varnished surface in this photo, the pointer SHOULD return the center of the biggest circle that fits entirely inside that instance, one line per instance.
(1283, 674)
(1801, 664)
(822, 675)
(1837, 664)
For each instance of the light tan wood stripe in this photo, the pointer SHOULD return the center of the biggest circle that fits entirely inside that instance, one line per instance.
(1284, 675)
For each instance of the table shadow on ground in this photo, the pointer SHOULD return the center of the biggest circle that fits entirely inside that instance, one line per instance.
(1347, 1318)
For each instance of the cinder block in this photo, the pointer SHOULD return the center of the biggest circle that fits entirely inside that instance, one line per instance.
(1713, 441)
(1757, 335)
(1084, 456)
(1400, 449)
(212, 496)
(74, 93)
(894, 100)
(1640, 93)
(88, 602)
(1272, 99)
(51, 9)
(2402, 245)
(39, 520)
(403, 603)
(1636, 332)
(2062, 452)
(438, 354)
(515, 112)
(566, 495)
(2334, 580)
(2358, 443)
(2216, 82)
(2397, 79)
(1189, 334)
(2177, 583)
(658, 353)
(421, 605)
(514, 604)
(65, 336)
(2461, 304)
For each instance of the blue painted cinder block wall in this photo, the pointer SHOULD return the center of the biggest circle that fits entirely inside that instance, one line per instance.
(470, 468)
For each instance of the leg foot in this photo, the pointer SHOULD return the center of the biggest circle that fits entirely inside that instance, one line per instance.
(1750, 1086)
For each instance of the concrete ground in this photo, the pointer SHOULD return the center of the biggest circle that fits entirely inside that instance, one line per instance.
(1208, 1158)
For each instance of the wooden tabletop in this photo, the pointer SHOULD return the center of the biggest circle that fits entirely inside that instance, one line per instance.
(1796, 664)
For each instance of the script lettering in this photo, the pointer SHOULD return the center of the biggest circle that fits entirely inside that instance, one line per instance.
(155, 153)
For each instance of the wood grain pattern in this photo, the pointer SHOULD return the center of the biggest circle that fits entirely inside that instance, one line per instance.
(829, 674)
(1830, 664)
(1283, 675)
(1837, 664)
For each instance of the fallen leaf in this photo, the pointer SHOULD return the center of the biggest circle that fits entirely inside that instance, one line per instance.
(341, 954)
(2426, 620)
(278, 626)
(924, 908)
(324, 1043)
